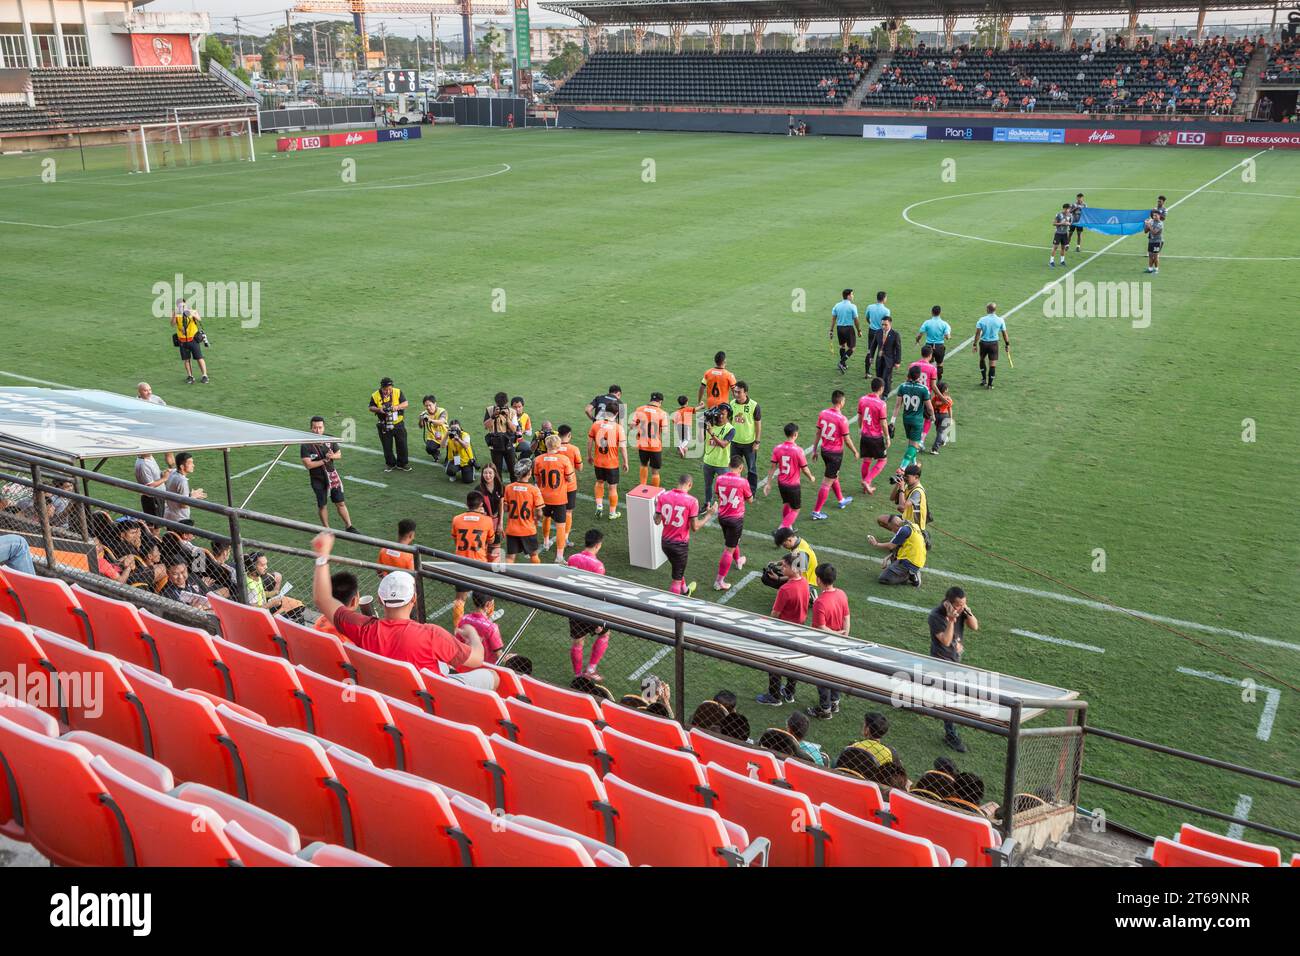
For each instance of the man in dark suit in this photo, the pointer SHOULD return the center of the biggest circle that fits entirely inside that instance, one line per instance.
(891, 352)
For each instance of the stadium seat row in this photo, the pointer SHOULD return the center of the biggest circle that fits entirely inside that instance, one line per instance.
(1195, 847)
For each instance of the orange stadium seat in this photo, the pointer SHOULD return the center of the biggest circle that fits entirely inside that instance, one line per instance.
(62, 808)
(964, 835)
(166, 831)
(50, 603)
(862, 798)
(354, 717)
(248, 626)
(187, 733)
(657, 730)
(398, 818)
(187, 656)
(603, 853)
(670, 773)
(452, 754)
(735, 756)
(453, 700)
(1199, 839)
(120, 716)
(143, 770)
(509, 683)
(1169, 853)
(267, 685)
(38, 722)
(316, 650)
(787, 818)
(265, 826)
(563, 792)
(10, 603)
(290, 776)
(561, 700)
(21, 654)
(852, 841)
(397, 679)
(500, 841)
(655, 831)
(569, 738)
(118, 628)
(256, 852)
(330, 854)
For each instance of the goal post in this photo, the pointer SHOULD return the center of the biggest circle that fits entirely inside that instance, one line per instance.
(179, 143)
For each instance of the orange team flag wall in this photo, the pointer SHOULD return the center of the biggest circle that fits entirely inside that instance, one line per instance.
(161, 49)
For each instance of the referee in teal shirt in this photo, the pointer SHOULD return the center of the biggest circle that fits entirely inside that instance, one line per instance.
(987, 331)
(844, 326)
(936, 331)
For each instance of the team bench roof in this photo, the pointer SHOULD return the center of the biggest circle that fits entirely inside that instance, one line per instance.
(630, 12)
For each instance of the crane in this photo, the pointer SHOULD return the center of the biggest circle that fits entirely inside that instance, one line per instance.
(359, 8)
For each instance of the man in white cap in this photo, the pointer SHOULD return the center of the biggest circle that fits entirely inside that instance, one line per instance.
(394, 634)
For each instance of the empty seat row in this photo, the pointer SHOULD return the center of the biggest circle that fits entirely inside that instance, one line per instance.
(1194, 847)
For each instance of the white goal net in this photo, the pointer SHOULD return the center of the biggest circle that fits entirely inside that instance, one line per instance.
(156, 146)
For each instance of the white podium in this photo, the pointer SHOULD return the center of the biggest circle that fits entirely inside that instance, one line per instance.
(643, 534)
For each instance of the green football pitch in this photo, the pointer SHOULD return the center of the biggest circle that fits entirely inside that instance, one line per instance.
(1147, 459)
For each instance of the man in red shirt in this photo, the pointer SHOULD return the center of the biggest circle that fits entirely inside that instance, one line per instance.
(830, 613)
(395, 635)
(791, 605)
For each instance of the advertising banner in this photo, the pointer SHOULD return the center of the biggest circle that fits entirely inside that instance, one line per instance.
(1186, 137)
(161, 49)
(523, 37)
(399, 134)
(292, 144)
(352, 137)
(1104, 137)
(1261, 140)
(1027, 134)
(872, 131)
(968, 133)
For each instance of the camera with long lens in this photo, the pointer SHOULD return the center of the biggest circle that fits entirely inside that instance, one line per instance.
(713, 416)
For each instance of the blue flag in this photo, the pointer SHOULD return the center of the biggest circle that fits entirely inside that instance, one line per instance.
(1114, 222)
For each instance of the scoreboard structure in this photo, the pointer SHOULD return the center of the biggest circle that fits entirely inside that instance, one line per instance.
(402, 81)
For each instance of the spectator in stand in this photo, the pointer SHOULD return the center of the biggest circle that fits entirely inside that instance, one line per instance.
(708, 716)
(181, 587)
(265, 587)
(481, 619)
(735, 726)
(797, 724)
(105, 565)
(345, 589)
(395, 635)
(178, 483)
(393, 558)
(147, 473)
(16, 553)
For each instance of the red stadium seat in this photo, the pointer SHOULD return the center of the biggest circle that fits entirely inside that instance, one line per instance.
(251, 627)
(38, 722)
(452, 754)
(329, 854)
(787, 818)
(655, 831)
(569, 738)
(21, 654)
(657, 730)
(10, 603)
(398, 818)
(560, 700)
(187, 656)
(290, 776)
(852, 841)
(1199, 839)
(397, 679)
(736, 756)
(563, 792)
(323, 653)
(355, 717)
(187, 733)
(255, 852)
(267, 685)
(862, 798)
(499, 841)
(118, 629)
(264, 825)
(964, 835)
(111, 708)
(49, 603)
(670, 773)
(166, 831)
(143, 770)
(603, 853)
(453, 700)
(509, 683)
(1172, 854)
(62, 809)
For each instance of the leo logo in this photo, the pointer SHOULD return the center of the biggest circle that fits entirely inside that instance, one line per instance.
(311, 142)
(162, 51)
(1191, 139)
(1234, 139)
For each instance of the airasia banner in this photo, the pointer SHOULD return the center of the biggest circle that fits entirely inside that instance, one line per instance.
(1280, 140)
(161, 49)
(1182, 137)
(1104, 137)
(353, 138)
(292, 144)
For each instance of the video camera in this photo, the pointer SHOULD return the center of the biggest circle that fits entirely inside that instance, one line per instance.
(713, 416)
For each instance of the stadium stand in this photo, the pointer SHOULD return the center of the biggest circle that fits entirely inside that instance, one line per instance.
(1283, 64)
(104, 97)
(766, 79)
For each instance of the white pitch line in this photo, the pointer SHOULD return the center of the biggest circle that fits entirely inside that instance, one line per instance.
(658, 656)
(1272, 698)
(444, 501)
(739, 586)
(38, 381)
(1242, 812)
(249, 471)
(1059, 640)
(365, 481)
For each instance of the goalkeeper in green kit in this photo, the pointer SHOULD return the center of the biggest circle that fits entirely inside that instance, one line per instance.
(914, 402)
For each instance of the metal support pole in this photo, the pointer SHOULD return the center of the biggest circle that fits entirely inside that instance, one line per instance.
(1009, 781)
(82, 518)
(679, 670)
(293, 67)
(1081, 718)
(237, 558)
(225, 463)
(419, 588)
(38, 497)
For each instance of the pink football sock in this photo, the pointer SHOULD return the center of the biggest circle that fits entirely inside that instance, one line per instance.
(598, 650)
(822, 494)
(785, 515)
(575, 655)
(877, 467)
(678, 587)
(926, 429)
(794, 516)
(835, 487)
(866, 469)
(724, 564)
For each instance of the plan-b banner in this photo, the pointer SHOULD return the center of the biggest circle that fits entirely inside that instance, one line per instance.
(1114, 222)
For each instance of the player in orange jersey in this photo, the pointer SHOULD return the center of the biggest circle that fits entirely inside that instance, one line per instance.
(519, 506)
(571, 489)
(683, 424)
(471, 535)
(715, 387)
(553, 470)
(650, 424)
(606, 443)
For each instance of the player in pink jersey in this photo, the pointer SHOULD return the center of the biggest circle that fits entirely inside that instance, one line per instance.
(873, 446)
(789, 464)
(931, 373)
(731, 491)
(587, 560)
(832, 429)
(678, 512)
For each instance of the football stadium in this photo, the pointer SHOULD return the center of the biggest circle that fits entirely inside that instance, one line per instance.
(650, 433)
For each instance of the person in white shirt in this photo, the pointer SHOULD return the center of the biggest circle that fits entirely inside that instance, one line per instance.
(148, 473)
(144, 392)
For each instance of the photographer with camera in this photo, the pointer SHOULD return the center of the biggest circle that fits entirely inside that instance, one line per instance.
(319, 458)
(718, 433)
(189, 337)
(502, 427)
(908, 494)
(389, 406)
(460, 454)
